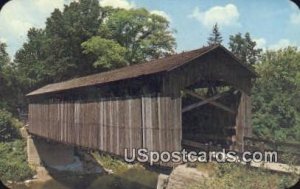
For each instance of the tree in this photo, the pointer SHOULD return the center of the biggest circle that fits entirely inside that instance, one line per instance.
(54, 54)
(8, 129)
(145, 36)
(65, 31)
(4, 58)
(276, 96)
(244, 48)
(110, 54)
(84, 39)
(30, 60)
(8, 85)
(215, 36)
(74, 40)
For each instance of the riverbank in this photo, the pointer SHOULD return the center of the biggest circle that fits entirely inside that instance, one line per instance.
(95, 170)
(118, 175)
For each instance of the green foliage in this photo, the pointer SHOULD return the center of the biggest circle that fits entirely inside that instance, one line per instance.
(244, 48)
(215, 36)
(110, 54)
(29, 59)
(54, 54)
(233, 176)
(9, 127)
(84, 39)
(144, 35)
(8, 94)
(13, 163)
(111, 163)
(4, 58)
(276, 96)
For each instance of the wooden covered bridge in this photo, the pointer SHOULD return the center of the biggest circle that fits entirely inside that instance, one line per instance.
(201, 96)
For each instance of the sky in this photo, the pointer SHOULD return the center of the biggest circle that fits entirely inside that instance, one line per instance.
(273, 24)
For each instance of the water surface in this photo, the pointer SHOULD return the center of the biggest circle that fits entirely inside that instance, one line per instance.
(135, 178)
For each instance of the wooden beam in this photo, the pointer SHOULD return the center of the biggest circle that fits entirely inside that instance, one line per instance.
(199, 145)
(194, 144)
(217, 104)
(192, 136)
(203, 102)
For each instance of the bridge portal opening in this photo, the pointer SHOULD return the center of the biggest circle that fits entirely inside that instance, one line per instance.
(209, 115)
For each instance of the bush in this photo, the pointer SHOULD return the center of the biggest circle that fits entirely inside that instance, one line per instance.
(235, 176)
(13, 160)
(108, 162)
(276, 96)
(9, 127)
(13, 163)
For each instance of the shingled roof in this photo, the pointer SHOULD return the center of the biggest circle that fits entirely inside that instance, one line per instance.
(148, 68)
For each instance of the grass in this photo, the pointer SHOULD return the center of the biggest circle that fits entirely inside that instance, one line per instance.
(111, 163)
(233, 176)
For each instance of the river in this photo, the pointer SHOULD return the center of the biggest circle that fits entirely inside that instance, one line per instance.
(134, 178)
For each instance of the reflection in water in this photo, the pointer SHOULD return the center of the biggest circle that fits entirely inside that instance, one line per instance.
(135, 178)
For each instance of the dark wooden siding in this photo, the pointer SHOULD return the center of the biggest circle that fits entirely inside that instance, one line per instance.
(213, 67)
(111, 124)
(243, 122)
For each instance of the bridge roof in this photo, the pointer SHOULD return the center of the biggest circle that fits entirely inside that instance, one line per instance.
(152, 67)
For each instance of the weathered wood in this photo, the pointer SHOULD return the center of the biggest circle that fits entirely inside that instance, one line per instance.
(217, 104)
(111, 124)
(148, 112)
(207, 136)
(199, 145)
(242, 122)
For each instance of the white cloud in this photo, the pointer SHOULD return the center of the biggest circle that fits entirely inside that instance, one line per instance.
(295, 18)
(3, 40)
(14, 22)
(282, 43)
(260, 43)
(161, 13)
(295, 14)
(224, 16)
(17, 16)
(48, 6)
(118, 4)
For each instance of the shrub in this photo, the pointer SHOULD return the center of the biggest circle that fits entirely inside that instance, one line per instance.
(9, 127)
(235, 176)
(13, 160)
(13, 164)
(108, 162)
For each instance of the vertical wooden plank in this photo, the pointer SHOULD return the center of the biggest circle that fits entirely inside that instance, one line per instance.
(101, 133)
(240, 125)
(129, 126)
(122, 128)
(117, 127)
(111, 126)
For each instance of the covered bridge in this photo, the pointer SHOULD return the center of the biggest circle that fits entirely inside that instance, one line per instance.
(201, 95)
